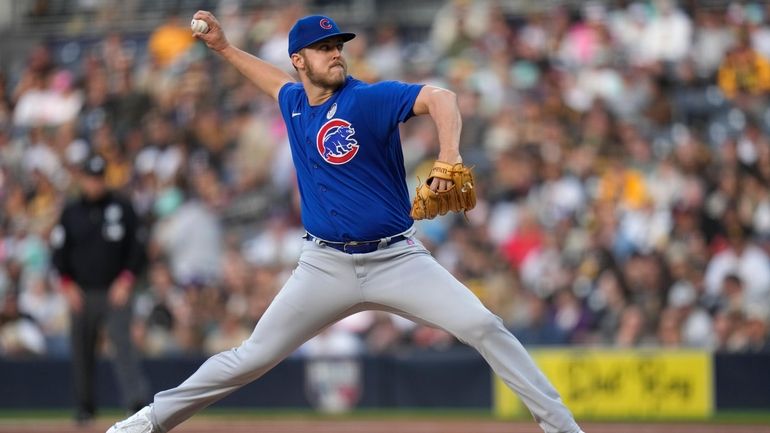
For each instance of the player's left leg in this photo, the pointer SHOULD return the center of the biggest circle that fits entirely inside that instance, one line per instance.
(321, 290)
(406, 279)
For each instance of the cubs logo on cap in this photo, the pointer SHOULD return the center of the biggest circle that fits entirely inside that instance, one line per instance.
(312, 29)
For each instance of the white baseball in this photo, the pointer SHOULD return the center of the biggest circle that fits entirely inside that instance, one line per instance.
(199, 26)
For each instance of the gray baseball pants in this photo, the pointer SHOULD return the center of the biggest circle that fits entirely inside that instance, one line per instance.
(328, 285)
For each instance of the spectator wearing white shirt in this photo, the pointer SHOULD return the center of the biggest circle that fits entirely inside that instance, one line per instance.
(745, 259)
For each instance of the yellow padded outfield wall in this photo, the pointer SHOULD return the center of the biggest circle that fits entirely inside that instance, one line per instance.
(622, 383)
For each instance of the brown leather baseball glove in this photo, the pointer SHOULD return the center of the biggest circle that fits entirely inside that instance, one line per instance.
(460, 197)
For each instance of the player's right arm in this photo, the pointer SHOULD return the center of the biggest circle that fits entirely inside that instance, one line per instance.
(267, 77)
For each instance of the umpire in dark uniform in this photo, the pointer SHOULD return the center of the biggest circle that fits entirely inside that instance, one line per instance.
(97, 253)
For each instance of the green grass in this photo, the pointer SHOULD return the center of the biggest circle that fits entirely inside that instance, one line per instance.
(723, 417)
(741, 417)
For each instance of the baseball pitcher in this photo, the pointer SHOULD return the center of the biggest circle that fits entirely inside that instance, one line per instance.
(360, 251)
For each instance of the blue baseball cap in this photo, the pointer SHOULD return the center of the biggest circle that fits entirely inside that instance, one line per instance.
(311, 29)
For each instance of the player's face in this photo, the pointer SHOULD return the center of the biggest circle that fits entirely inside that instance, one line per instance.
(324, 64)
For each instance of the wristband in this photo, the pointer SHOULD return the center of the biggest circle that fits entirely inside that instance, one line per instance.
(65, 283)
(127, 275)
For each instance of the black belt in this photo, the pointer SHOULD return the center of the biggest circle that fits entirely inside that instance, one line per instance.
(355, 247)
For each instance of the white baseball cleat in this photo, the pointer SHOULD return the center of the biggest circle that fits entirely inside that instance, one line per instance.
(136, 423)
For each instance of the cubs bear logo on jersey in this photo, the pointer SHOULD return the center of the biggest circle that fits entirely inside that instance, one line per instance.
(335, 141)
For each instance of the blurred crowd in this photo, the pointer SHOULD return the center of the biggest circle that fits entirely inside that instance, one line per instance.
(621, 152)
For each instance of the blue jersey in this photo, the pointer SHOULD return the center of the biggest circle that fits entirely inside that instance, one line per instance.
(348, 158)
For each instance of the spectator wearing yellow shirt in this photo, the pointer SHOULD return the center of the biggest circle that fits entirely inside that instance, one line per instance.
(744, 70)
(170, 40)
(622, 185)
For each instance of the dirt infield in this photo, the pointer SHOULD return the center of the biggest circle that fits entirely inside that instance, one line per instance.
(205, 425)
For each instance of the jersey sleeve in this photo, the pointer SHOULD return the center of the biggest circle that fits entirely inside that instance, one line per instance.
(287, 97)
(394, 101)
